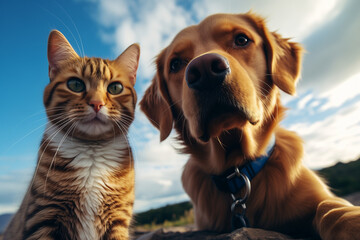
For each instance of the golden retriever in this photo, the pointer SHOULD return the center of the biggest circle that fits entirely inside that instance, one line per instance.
(217, 85)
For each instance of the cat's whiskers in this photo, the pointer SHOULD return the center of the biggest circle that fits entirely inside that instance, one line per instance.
(48, 140)
(41, 112)
(114, 137)
(53, 161)
(63, 23)
(46, 117)
(58, 116)
(82, 51)
(125, 118)
(128, 120)
(60, 125)
(124, 132)
(117, 123)
(77, 123)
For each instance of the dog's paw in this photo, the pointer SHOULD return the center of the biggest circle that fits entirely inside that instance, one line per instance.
(337, 220)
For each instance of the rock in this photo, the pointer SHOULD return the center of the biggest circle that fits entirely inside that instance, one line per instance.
(243, 233)
(354, 198)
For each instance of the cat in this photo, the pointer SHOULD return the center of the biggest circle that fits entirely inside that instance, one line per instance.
(83, 185)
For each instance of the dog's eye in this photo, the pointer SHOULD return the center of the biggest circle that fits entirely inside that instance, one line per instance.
(175, 65)
(241, 40)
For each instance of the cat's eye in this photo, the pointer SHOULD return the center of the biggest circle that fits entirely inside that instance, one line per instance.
(76, 85)
(115, 88)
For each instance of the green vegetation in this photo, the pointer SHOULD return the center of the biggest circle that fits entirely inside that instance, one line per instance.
(186, 219)
(343, 178)
(171, 215)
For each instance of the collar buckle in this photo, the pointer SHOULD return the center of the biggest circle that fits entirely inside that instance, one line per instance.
(247, 185)
(238, 207)
(237, 178)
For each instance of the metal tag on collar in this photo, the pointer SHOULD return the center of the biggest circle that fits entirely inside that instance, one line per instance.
(247, 186)
(238, 219)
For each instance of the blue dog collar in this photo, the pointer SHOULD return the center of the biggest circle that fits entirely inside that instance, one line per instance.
(231, 180)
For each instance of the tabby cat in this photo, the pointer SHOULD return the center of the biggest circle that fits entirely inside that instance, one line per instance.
(83, 185)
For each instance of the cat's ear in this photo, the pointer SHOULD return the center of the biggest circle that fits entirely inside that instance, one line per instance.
(131, 59)
(59, 50)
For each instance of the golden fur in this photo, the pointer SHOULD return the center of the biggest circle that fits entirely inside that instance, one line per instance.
(286, 196)
(83, 185)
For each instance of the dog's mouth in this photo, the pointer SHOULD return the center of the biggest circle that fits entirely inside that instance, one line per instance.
(216, 118)
(218, 99)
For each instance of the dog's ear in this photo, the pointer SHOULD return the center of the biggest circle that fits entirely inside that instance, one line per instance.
(156, 105)
(284, 61)
(283, 57)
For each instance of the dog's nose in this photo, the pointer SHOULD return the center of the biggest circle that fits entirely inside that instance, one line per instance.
(207, 71)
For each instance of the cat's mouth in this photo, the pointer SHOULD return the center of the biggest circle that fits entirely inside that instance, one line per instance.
(95, 120)
(95, 125)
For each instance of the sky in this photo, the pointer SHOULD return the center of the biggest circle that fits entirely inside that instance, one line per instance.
(325, 112)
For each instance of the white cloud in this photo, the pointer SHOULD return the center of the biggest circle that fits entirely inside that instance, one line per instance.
(314, 104)
(112, 11)
(342, 92)
(151, 23)
(333, 98)
(282, 15)
(335, 135)
(333, 139)
(13, 186)
(158, 171)
(158, 166)
(8, 208)
(333, 53)
(160, 153)
(304, 101)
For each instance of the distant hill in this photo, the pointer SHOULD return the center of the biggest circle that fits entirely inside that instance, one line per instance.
(4, 220)
(343, 178)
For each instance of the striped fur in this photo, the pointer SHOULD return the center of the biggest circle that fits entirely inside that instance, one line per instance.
(83, 185)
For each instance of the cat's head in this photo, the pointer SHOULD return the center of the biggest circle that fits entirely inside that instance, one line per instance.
(90, 98)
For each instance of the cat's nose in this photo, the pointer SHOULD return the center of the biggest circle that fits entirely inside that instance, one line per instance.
(96, 105)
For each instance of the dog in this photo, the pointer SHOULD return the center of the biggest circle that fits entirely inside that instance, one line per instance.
(218, 85)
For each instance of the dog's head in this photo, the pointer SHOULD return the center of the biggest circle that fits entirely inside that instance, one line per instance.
(221, 74)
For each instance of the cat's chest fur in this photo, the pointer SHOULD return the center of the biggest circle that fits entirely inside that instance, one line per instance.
(94, 162)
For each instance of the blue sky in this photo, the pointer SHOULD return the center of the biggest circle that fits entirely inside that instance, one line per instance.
(325, 112)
